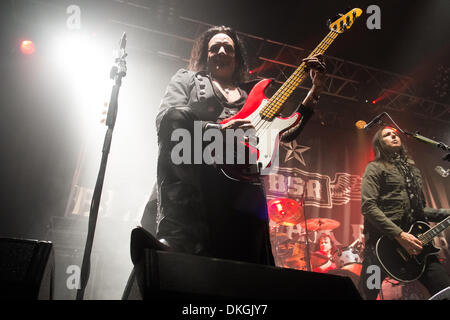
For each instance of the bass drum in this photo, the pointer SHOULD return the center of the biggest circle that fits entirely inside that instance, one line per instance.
(352, 270)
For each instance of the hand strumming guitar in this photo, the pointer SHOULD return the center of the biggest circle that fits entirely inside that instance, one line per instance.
(237, 124)
(410, 243)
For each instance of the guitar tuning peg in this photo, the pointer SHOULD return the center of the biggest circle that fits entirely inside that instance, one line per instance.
(333, 19)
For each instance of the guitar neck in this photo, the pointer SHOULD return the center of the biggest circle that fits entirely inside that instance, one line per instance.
(298, 76)
(433, 232)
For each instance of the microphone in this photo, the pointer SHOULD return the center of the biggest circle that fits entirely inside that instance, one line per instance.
(120, 67)
(123, 41)
(374, 121)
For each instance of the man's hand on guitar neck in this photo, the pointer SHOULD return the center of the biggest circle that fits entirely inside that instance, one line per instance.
(410, 243)
(317, 69)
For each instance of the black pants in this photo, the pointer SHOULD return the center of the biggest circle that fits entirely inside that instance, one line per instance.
(203, 212)
(435, 277)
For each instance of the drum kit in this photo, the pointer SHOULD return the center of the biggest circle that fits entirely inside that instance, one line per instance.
(294, 253)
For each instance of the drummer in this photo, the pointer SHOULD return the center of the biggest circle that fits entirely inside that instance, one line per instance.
(326, 249)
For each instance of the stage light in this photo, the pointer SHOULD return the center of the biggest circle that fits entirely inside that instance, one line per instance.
(360, 124)
(374, 101)
(27, 47)
(85, 64)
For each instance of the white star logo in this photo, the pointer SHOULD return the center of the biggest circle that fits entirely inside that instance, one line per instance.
(294, 151)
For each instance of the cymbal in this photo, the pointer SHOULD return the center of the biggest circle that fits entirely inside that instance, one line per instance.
(298, 256)
(316, 224)
(299, 264)
(285, 211)
(317, 259)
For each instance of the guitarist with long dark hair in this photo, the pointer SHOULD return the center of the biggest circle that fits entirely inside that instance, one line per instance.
(200, 210)
(392, 202)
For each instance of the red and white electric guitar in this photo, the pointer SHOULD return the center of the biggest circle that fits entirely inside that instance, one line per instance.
(262, 111)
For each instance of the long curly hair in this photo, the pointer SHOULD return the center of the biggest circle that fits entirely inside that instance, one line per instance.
(199, 53)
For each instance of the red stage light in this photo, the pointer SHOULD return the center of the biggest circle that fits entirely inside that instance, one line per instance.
(285, 211)
(374, 101)
(27, 47)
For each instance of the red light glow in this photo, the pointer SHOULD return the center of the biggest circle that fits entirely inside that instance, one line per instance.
(27, 47)
(285, 211)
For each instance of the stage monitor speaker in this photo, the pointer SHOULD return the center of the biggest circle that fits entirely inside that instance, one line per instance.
(26, 269)
(164, 275)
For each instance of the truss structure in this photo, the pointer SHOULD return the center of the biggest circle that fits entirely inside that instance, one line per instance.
(345, 79)
(158, 30)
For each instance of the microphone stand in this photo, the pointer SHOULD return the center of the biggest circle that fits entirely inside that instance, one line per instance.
(118, 71)
(308, 258)
(440, 145)
(421, 138)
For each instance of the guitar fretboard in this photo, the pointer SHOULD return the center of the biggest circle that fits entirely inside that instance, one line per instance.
(433, 232)
(298, 76)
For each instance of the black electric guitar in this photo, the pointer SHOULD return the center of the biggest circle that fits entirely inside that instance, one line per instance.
(398, 263)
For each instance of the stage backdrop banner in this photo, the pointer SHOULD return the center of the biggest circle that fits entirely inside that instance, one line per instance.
(323, 167)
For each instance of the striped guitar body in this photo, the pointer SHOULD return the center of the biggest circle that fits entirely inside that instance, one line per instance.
(263, 112)
(398, 263)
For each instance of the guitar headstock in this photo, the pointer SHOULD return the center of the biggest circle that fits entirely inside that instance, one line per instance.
(344, 22)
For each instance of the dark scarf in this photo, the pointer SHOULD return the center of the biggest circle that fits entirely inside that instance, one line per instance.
(412, 188)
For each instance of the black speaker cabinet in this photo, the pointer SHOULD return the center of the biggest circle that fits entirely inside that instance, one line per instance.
(160, 274)
(26, 269)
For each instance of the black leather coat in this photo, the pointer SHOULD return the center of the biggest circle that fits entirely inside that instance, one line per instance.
(200, 211)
